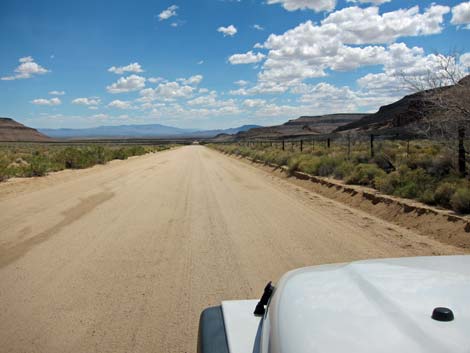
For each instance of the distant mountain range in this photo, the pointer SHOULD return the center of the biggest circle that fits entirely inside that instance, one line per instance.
(139, 131)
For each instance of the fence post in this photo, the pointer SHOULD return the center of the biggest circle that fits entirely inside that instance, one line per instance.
(283, 145)
(313, 145)
(372, 145)
(349, 146)
(328, 142)
(301, 145)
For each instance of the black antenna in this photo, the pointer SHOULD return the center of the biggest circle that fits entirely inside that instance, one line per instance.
(268, 291)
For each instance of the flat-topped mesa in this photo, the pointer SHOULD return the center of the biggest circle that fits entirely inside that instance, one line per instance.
(303, 126)
(13, 131)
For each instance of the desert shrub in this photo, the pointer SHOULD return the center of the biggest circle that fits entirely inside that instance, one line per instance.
(327, 165)
(414, 183)
(120, 153)
(3, 168)
(343, 170)
(444, 193)
(423, 161)
(310, 165)
(364, 174)
(384, 162)
(460, 201)
(294, 161)
(277, 157)
(360, 158)
(74, 158)
(441, 166)
(38, 166)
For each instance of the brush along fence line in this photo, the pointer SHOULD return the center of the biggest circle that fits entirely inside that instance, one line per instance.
(423, 170)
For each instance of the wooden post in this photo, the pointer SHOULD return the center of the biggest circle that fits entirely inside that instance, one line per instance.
(328, 142)
(301, 145)
(461, 152)
(372, 146)
(283, 145)
(313, 145)
(349, 146)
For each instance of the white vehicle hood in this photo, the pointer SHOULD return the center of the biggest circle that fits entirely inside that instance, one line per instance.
(366, 306)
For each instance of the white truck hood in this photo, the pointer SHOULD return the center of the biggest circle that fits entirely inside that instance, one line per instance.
(365, 306)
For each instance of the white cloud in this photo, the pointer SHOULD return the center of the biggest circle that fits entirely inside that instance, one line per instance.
(57, 93)
(315, 5)
(258, 27)
(465, 60)
(155, 79)
(44, 101)
(166, 91)
(127, 84)
(200, 62)
(253, 103)
(308, 50)
(461, 14)
(87, 101)
(246, 58)
(133, 67)
(355, 25)
(239, 92)
(227, 31)
(27, 69)
(375, 2)
(241, 83)
(119, 104)
(168, 13)
(193, 80)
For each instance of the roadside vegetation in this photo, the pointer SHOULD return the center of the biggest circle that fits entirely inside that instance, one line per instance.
(422, 170)
(29, 160)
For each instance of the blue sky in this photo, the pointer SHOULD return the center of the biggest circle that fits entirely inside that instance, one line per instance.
(216, 64)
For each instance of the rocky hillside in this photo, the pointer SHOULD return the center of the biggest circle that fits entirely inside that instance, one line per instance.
(400, 116)
(11, 130)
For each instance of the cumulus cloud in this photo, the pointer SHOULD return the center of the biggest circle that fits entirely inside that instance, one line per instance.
(355, 25)
(375, 2)
(258, 27)
(461, 14)
(56, 93)
(465, 60)
(87, 101)
(127, 84)
(345, 40)
(246, 58)
(315, 5)
(44, 101)
(119, 104)
(241, 83)
(253, 103)
(155, 79)
(193, 80)
(133, 67)
(26, 69)
(166, 91)
(168, 13)
(227, 31)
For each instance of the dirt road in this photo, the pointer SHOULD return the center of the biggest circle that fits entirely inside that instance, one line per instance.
(123, 257)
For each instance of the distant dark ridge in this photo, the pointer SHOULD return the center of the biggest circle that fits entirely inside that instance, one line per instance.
(404, 112)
